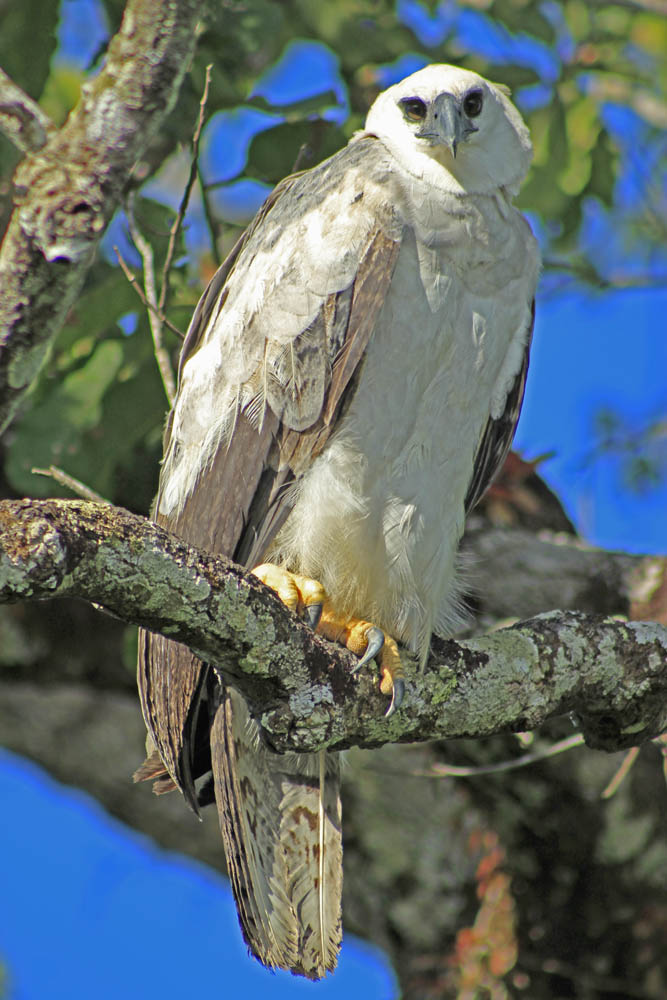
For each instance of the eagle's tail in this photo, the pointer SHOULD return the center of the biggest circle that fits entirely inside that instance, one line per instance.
(281, 824)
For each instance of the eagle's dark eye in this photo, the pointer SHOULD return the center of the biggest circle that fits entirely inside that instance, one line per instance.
(472, 103)
(414, 109)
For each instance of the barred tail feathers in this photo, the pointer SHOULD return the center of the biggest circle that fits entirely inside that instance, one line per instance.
(281, 825)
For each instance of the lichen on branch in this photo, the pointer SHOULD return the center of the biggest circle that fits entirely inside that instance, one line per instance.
(610, 673)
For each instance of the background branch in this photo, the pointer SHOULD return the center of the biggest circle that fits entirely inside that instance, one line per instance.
(21, 119)
(66, 194)
(561, 571)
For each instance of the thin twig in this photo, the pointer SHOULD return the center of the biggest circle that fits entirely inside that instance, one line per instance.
(75, 485)
(452, 771)
(304, 155)
(584, 271)
(628, 761)
(626, 764)
(208, 217)
(161, 355)
(178, 221)
(584, 978)
(134, 281)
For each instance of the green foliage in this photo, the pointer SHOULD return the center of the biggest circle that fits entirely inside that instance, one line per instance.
(272, 153)
(99, 407)
(96, 406)
(608, 54)
(25, 52)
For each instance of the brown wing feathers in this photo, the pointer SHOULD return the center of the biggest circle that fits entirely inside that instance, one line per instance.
(280, 827)
(497, 437)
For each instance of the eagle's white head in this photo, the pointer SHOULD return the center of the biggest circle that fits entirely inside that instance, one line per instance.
(451, 118)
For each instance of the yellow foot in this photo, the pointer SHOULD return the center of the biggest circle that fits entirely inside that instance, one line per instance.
(308, 599)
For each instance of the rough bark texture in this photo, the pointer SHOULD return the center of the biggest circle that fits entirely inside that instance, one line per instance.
(67, 191)
(21, 119)
(511, 879)
(610, 673)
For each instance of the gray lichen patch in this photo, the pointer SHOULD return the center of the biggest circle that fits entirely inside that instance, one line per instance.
(311, 708)
(517, 647)
(34, 557)
(256, 624)
(436, 689)
(645, 632)
(163, 586)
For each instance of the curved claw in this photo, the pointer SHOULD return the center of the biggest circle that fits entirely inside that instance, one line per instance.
(397, 693)
(375, 640)
(313, 613)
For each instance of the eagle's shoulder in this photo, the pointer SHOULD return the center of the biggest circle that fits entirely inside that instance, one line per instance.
(358, 181)
(276, 317)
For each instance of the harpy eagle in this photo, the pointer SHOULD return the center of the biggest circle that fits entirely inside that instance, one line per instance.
(348, 387)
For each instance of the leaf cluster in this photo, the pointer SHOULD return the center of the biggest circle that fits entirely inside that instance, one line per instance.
(98, 408)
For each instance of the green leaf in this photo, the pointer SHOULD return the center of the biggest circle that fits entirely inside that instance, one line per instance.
(97, 311)
(604, 159)
(273, 153)
(27, 42)
(61, 92)
(132, 409)
(52, 432)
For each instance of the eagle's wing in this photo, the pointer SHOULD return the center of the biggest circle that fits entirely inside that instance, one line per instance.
(497, 436)
(271, 379)
(241, 496)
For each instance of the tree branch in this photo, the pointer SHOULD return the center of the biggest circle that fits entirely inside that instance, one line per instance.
(610, 673)
(66, 193)
(563, 571)
(21, 119)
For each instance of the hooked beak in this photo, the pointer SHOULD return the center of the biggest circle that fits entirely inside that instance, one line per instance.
(447, 124)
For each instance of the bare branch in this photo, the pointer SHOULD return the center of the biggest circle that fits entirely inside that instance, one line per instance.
(150, 291)
(440, 770)
(621, 774)
(70, 482)
(610, 673)
(67, 193)
(133, 280)
(21, 119)
(178, 221)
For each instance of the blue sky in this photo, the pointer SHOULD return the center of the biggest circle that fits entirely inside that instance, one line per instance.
(86, 904)
(592, 350)
(90, 908)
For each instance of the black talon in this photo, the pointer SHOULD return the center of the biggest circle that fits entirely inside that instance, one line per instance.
(375, 640)
(313, 614)
(397, 693)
